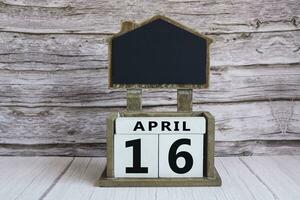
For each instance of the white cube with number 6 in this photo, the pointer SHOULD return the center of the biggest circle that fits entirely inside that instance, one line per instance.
(136, 156)
(181, 155)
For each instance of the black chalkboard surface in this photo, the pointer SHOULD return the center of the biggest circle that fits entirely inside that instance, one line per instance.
(158, 54)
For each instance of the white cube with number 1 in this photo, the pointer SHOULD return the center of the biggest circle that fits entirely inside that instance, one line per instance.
(136, 156)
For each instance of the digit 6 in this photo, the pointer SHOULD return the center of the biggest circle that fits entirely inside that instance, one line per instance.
(173, 156)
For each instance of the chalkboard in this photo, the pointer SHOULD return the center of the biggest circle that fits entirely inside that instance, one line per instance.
(159, 54)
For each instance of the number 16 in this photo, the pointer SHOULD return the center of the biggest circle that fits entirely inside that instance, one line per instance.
(172, 158)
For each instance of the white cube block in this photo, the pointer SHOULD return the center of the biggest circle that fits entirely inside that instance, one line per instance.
(136, 156)
(160, 125)
(181, 155)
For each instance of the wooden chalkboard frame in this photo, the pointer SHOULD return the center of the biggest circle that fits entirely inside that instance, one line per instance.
(184, 109)
(134, 26)
(210, 178)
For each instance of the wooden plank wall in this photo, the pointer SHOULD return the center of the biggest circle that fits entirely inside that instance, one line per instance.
(54, 96)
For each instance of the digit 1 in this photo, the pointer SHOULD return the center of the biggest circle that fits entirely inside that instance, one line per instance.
(136, 147)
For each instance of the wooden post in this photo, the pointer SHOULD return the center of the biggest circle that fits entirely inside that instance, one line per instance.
(185, 100)
(127, 26)
(134, 99)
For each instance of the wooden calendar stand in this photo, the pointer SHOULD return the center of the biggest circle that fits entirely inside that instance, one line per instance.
(160, 53)
(184, 107)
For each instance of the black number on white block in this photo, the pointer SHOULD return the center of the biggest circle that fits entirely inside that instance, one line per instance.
(136, 146)
(173, 156)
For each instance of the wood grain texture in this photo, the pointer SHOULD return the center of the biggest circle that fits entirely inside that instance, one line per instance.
(250, 178)
(61, 149)
(223, 148)
(89, 87)
(274, 120)
(237, 121)
(28, 178)
(54, 52)
(78, 16)
(241, 180)
(277, 178)
(53, 73)
(79, 180)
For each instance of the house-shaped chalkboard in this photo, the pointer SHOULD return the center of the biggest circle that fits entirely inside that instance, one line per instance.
(159, 53)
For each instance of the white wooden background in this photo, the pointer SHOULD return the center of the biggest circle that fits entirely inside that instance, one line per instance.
(54, 96)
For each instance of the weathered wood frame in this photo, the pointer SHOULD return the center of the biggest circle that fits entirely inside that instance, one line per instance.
(211, 176)
(130, 26)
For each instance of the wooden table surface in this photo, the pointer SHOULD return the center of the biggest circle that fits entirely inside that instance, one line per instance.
(273, 177)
